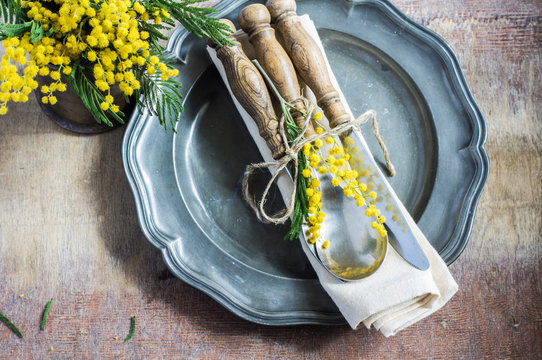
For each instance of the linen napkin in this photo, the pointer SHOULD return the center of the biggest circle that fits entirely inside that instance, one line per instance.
(397, 294)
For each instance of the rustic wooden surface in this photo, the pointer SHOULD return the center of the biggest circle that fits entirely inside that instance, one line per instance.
(68, 230)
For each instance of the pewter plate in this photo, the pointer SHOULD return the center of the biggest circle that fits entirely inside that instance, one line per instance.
(187, 186)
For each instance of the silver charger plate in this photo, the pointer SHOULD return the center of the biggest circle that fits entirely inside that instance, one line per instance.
(187, 185)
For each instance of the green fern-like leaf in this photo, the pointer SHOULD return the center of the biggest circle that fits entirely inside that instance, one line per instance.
(14, 30)
(162, 99)
(91, 96)
(11, 11)
(196, 19)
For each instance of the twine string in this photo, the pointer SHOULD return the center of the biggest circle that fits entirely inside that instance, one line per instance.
(291, 157)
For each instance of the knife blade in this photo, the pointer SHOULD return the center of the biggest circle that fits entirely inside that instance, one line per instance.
(400, 235)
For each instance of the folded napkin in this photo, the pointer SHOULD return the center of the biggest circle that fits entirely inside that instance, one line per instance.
(397, 294)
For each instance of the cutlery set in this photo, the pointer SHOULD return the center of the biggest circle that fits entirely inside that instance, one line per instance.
(356, 249)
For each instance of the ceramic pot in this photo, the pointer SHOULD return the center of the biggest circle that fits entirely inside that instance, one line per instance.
(70, 113)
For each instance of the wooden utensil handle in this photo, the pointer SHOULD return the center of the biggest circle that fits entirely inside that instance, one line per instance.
(248, 87)
(255, 21)
(307, 59)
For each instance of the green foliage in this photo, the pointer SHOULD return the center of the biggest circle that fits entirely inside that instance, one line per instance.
(132, 328)
(37, 32)
(15, 30)
(155, 35)
(45, 314)
(11, 11)
(197, 19)
(301, 209)
(11, 325)
(161, 98)
(91, 96)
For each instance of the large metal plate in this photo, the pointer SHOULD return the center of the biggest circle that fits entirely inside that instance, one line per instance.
(187, 186)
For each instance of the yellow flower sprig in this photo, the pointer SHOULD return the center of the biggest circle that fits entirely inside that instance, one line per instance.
(337, 164)
(94, 45)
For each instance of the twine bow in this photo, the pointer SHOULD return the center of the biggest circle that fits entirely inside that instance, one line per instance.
(292, 149)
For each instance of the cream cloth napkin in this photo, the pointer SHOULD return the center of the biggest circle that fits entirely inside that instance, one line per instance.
(397, 294)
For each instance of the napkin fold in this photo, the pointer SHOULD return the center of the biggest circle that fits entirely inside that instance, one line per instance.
(397, 294)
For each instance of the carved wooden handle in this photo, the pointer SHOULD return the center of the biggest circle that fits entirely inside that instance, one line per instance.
(255, 21)
(308, 59)
(250, 90)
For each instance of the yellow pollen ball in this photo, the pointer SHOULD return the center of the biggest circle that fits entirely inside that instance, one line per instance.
(349, 141)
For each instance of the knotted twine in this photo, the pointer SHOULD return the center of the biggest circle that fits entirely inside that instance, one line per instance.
(292, 149)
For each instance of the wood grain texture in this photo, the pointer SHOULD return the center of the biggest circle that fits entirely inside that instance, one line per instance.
(68, 230)
(255, 21)
(249, 88)
(308, 59)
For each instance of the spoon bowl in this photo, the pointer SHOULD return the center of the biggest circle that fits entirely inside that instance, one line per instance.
(355, 250)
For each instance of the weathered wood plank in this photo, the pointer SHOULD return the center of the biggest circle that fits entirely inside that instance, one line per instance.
(68, 230)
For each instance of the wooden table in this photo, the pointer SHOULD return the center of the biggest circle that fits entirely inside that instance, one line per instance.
(68, 231)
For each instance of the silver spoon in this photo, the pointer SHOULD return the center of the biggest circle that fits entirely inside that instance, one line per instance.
(355, 249)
